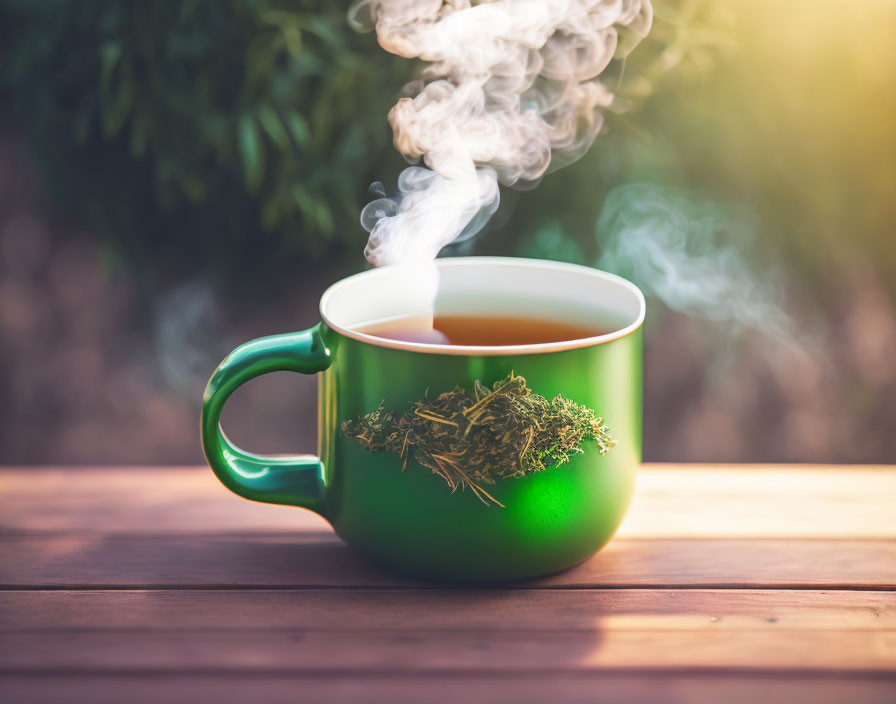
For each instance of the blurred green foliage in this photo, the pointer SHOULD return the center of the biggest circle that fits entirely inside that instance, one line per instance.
(238, 129)
(679, 56)
(777, 108)
(216, 131)
(200, 129)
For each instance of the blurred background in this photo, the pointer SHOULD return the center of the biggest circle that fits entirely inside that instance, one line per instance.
(176, 178)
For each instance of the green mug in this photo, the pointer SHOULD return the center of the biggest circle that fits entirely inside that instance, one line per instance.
(405, 513)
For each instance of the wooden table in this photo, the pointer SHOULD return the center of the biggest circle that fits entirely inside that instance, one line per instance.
(734, 584)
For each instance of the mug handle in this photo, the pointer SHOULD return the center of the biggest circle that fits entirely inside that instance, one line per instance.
(295, 480)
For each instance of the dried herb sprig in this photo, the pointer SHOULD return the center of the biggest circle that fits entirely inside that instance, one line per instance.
(471, 438)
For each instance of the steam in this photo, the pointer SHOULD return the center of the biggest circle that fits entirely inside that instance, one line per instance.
(190, 334)
(698, 258)
(511, 92)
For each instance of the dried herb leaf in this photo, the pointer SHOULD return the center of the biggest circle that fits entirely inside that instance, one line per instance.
(471, 438)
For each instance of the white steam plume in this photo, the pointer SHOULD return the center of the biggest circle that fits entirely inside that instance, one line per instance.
(511, 92)
(699, 258)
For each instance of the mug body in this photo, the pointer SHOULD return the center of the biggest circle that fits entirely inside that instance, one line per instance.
(407, 517)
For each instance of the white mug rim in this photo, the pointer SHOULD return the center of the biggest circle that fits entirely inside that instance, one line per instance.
(491, 350)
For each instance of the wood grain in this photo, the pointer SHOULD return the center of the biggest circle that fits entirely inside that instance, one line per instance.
(304, 650)
(578, 688)
(732, 584)
(307, 559)
(762, 502)
(449, 609)
(671, 501)
(460, 631)
(136, 499)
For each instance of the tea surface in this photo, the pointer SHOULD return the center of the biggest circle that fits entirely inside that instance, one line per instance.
(489, 331)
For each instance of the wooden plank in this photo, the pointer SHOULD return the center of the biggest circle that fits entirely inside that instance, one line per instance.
(671, 501)
(391, 641)
(136, 499)
(305, 650)
(320, 559)
(461, 631)
(449, 609)
(586, 688)
(763, 502)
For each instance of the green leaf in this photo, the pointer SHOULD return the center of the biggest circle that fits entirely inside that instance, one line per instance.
(326, 32)
(252, 152)
(324, 217)
(298, 128)
(293, 38)
(304, 200)
(115, 115)
(273, 125)
(279, 18)
(110, 53)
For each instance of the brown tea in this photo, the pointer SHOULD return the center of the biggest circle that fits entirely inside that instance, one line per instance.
(488, 331)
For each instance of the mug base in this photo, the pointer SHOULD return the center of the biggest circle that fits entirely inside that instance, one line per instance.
(498, 577)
